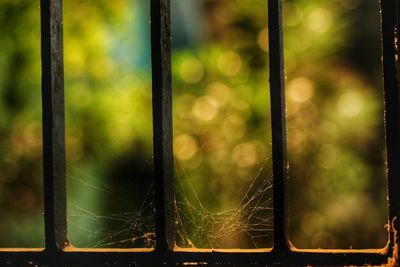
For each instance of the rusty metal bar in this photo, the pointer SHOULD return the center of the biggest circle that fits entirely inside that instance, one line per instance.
(278, 121)
(162, 123)
(392, 112)
(53, 125)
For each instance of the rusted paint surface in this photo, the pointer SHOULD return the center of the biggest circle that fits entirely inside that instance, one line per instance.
(390, 23)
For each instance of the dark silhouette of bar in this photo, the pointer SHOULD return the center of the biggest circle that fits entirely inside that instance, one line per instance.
(53, 126)
(162, 124)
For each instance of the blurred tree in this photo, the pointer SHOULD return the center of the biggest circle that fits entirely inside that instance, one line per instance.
(221, 115)
(20, 125)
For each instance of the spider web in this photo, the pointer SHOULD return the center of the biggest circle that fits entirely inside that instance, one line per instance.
(132, 229)
(251, 219)
(196, 226)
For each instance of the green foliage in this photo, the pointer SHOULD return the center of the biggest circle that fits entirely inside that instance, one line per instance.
(222, 135)
(20, 126)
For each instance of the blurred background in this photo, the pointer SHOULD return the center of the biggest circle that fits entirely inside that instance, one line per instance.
(222, 135)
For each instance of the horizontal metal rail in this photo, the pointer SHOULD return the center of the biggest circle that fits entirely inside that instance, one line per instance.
(124, 257)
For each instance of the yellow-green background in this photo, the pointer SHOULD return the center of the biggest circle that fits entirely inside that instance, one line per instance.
(222, 135)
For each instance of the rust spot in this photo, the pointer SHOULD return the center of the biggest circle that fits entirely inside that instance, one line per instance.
(394, 260)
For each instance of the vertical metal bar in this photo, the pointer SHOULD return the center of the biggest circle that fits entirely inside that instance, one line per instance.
(278, 121)
(392, 113)
(53, 125)
(162, 123)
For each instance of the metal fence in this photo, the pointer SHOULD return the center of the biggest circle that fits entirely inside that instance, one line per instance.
(57, 249)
